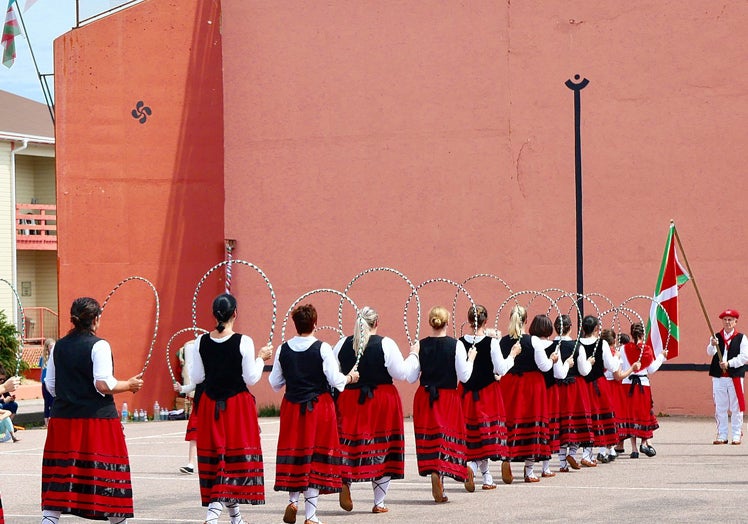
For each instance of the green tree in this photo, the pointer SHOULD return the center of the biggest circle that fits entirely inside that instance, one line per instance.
(9, 342)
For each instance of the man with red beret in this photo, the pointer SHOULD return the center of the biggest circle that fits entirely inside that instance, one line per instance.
(729, 352)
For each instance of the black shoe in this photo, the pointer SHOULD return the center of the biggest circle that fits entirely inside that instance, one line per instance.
(612, 457)
(602, 458)
(648, 450)
(634, 455)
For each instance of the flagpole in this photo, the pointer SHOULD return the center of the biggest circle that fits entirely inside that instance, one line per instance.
(696, 287)
(47, 96)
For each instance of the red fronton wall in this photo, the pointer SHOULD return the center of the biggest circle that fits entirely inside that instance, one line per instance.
(140, 199)
(437, 138)
(434, 138)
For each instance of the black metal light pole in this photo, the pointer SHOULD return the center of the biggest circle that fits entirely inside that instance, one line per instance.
(577, 87)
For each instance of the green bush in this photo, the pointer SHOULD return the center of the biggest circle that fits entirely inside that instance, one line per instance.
(269, 411)
(9, 343)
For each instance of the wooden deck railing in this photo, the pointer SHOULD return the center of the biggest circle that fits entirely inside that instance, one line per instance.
(36, 226)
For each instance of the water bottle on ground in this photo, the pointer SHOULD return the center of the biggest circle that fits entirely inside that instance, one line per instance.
(125, 413)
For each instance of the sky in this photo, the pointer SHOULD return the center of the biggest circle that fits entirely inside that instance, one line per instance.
(45, 20)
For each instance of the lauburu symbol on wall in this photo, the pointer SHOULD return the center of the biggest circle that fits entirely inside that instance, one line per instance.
(141, 112)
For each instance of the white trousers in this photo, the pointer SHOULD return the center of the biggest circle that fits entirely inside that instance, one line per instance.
(725, 399)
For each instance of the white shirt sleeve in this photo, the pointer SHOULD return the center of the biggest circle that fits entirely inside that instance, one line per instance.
(742, 358)
(49, 379)
(583, 365)
(609, 361)
(276, 378)
(398, 367)
(560, 369)
(331, 368)
(251, 366)
(338, 346)
(103, 368)
(197, 370)
(463, 366)
(541, 359)
(655, 365)
(501, 365)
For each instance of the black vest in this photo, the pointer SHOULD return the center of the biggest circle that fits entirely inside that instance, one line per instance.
(598, 368)
(483, 374)
(76, 395)
(437, 357)
(371, 368)
(223, 367)
(525, 361)
(568, 348)
(732, 351)
(305, 378)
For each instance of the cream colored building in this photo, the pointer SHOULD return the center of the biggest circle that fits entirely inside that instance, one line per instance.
(28, 227)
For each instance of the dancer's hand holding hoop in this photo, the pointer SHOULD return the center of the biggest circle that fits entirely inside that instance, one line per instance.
(472, 353)
(266, 352)
(516, 349)
(637, 366)
(135, 384)
(352, 377)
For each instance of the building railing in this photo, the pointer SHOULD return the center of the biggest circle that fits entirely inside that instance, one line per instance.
(41, 323)
(36, 226)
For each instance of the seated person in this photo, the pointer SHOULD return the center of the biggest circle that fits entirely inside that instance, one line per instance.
(7, 400)
(6, 426)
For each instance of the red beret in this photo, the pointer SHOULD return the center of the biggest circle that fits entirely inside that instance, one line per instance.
(729, 313)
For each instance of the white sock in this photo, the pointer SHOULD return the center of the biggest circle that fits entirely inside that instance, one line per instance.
(546, 466)
(311, 496)
(484, 469)
(562, 458)
(234, 513)
(117, 520)
(380, 487)
(529, 468)
(293, 497)
(587, 453)
(50, 517)
(214, 512)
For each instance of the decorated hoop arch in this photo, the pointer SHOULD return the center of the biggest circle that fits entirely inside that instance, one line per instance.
(478, 275)
(244, 263)
(514, 296)
(168, 345)
(653, 304)
(296, 302)
(22, 317)
(405, 314)
(446, 281)
(158, 312)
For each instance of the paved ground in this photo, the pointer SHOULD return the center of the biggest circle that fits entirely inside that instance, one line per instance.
(690, 480)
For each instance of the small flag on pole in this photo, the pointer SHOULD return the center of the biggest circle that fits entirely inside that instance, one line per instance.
(28, 5)
(672, 276)
(10, 30)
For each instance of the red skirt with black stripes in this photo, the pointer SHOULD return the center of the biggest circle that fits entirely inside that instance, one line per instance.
(604, 429)
(440, 434)
(485, 422)
(372, 437)
(526, 402)
(229, 454)
(575, 413)
(308, 447)
(86, 469)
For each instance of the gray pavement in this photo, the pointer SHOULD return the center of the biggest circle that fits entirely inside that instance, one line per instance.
(690, 480)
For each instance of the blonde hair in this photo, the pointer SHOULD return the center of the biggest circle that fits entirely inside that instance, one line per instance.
(438, 317)
(366, 320)
(517, 321)
(48, 344)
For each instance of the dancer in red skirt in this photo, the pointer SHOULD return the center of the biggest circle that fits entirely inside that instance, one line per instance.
(229, 453)
(309, 457)
(437, 408)
(603, 417)
(608, 453)
(84, 423)
(558, 373)
(575, 419)
(193, 392)
(6, 387)
(370, 413)
(525, 395)
(482, 403)
(637, 413)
